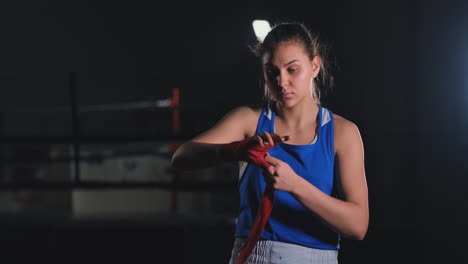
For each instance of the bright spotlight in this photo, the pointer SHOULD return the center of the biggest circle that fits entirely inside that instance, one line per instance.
(261, 28)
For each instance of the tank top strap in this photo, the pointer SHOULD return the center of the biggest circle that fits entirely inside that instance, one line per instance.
(326, 132)
(265, 120)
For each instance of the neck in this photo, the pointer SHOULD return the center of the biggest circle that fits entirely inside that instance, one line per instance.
(300, 114)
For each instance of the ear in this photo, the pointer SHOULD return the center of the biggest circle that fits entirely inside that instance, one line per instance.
(315, 63)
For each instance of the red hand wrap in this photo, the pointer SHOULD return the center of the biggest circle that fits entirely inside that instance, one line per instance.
(249, 150)
(264, 211)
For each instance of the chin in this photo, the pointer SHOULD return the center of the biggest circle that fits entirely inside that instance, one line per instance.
(287, 103)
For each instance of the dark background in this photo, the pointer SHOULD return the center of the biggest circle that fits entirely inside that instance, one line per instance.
(401, 79)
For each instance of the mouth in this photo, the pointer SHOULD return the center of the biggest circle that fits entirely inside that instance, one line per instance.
(287, 94)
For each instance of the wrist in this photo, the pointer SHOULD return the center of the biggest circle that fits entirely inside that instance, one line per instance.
(297, 184)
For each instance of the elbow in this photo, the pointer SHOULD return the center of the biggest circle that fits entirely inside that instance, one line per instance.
(181, 161)
(176, 162)
(356, 235)
(360, 226)
(360, 235)
(359, 232)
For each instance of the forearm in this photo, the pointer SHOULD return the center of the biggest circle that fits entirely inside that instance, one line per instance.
(347, 218)
(196, 155)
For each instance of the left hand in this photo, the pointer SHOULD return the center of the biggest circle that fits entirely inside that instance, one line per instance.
(280, 174)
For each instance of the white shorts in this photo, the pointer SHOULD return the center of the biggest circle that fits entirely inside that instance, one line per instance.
(274, 252)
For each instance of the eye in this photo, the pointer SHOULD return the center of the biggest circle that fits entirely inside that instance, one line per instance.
(291, 70)
(271, 73)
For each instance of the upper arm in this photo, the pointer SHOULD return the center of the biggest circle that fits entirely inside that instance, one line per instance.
(236, 125)
(350, 163)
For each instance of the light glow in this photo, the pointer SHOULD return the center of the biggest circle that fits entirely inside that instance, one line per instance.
(261, 28)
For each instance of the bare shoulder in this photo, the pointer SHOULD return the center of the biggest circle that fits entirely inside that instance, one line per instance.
(237, 124)
(346, 132)
(343, 125)
(245, 114)
(245, 117)
(245, 111)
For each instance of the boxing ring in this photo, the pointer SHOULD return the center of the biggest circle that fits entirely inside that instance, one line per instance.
(101, 164)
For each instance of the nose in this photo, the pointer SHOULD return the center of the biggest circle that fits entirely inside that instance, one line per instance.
(282, 80)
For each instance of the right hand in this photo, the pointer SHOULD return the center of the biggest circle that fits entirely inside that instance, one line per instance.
(272, 139)
(252, 149)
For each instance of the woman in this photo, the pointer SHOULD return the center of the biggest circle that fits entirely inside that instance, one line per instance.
(302, 178)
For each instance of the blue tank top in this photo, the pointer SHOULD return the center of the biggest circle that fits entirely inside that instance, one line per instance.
(290, 221)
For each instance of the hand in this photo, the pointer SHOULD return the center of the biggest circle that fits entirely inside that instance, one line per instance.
(280, 175)
(272, 139)
(252, 149)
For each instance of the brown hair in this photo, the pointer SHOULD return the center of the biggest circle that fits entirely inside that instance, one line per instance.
(294, 31)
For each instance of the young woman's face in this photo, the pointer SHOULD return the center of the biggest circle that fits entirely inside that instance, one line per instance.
(289, 73)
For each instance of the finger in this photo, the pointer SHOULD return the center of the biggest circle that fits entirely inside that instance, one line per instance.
(269, 138)
(263, 164)
(268, 177)
(270, 170)
(276, 138)
(259, 140)
(272, 160)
